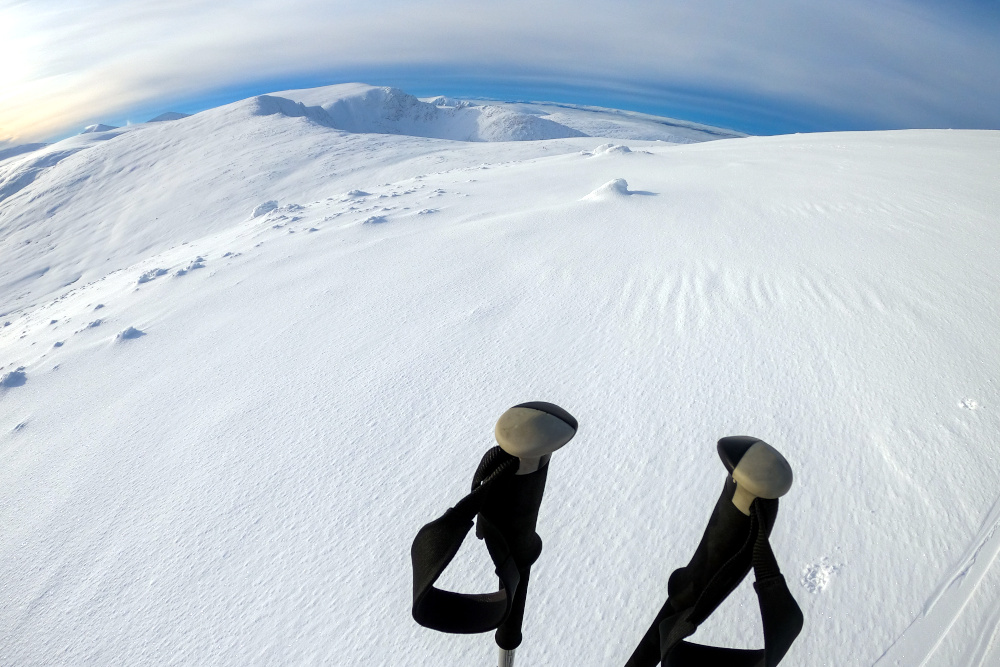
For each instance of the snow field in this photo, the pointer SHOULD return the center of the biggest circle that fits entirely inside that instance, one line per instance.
(241, 484)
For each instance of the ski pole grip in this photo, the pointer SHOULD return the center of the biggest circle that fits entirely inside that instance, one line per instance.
(759, 470)
(532, 431)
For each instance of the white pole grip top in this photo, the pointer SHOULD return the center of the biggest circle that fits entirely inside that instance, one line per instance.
(759, 470)
(534, 430)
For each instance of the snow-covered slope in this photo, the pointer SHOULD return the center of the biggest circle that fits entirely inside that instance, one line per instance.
(21, 149)
(203, 166)
(168, 115)
(284, 347)
(618, 124)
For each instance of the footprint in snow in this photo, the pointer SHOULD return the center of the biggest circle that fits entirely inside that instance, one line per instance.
(817, 576)
(375, 220)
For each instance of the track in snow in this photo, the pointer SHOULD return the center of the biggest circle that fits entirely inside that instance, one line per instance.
(918, 643)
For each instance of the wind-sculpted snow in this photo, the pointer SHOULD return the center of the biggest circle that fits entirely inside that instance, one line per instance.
(244, 357)
(610, 190)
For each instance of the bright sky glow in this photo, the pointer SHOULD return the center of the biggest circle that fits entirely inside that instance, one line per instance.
(769, 66)
(15, 49)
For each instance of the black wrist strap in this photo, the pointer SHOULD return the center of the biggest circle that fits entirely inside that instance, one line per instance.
(779, 612)
(436, 545)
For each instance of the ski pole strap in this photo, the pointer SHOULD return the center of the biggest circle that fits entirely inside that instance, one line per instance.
(781, 616)
(436, 544)
(697, 590)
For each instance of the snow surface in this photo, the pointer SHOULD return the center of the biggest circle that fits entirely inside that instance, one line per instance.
(98, 127)
(227, 404)
(168, 115)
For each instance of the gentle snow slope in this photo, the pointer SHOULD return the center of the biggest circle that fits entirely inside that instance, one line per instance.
(286, 346)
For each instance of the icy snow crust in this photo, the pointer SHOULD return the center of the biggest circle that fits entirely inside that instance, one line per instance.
(227, 403)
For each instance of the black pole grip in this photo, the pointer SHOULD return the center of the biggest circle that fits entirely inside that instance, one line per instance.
(512, 509)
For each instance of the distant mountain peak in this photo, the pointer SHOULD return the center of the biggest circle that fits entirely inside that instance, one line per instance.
(360, 108)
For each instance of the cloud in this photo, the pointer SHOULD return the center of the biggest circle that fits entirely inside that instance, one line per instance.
(878, 63)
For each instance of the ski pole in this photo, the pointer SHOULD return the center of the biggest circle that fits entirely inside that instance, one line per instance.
(735, 540)
(531, 432)
(506, 496)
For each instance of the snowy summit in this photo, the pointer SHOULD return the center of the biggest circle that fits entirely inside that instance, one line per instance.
(246, 354)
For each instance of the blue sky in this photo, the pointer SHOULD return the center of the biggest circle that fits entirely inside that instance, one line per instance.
(764, 67)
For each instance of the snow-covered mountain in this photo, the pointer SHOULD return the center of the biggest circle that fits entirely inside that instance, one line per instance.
(240, 150)
(363, 108)
(246, 354)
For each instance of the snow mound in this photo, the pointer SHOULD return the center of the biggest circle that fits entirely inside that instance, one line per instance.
(130, 334)
(13, 379)
(152, 274)
(264, 209)
(611, 149)
(358, 108)
(98, 127)
(169, 115)
(610, 190)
